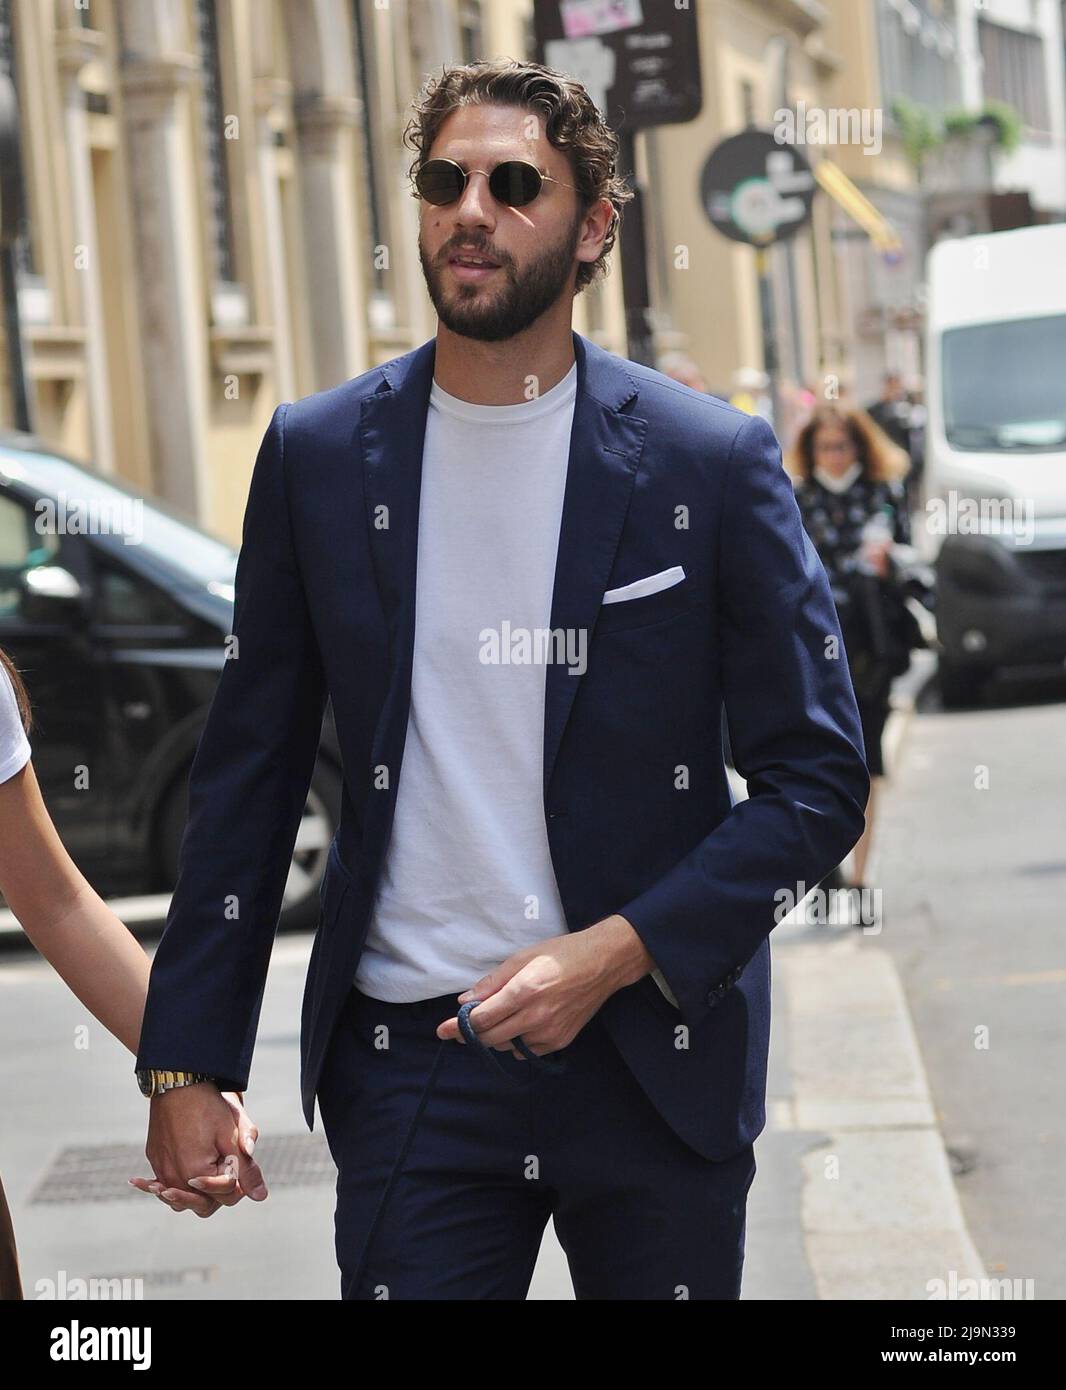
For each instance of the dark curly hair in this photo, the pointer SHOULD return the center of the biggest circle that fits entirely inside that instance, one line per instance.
(572, 123)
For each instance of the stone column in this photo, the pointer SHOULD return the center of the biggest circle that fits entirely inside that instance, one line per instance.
(75, 48)
(417, 311)
(154, 79)
(326, 131)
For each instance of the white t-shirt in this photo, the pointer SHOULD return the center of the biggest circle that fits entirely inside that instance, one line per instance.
(14, 745)
(468, 878)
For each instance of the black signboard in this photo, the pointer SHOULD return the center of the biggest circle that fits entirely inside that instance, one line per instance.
(755, 189)
(638, 59)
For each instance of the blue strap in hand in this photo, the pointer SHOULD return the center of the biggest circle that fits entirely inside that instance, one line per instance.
(554, 1066)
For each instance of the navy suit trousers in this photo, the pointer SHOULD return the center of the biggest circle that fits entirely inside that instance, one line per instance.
(450, 1200)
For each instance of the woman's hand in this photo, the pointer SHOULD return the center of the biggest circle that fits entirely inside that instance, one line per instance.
(878, 555)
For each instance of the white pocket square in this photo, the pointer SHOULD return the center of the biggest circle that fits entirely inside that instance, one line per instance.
(650, 584)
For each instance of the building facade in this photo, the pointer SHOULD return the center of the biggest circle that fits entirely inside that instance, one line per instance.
(217, 215)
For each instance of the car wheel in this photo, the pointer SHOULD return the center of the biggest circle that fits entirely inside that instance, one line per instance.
(300, 901)
(322, 810)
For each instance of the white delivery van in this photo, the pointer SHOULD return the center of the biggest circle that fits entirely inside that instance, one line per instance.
(996, 452)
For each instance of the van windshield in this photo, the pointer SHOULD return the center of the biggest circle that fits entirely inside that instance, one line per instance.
(1005, 385)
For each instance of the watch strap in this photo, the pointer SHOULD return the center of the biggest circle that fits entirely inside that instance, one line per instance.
(155, 1080)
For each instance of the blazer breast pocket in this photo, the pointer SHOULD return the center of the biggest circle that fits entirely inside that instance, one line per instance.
(650, 599)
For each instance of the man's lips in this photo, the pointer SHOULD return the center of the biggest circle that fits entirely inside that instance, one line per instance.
(470, 272)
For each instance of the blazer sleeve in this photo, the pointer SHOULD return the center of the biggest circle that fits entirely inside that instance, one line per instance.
(247, 788)
(794, 731)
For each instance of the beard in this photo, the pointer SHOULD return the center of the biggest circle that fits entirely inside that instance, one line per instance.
(495, 310)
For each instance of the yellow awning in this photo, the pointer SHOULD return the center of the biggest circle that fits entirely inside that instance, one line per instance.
(858, 207)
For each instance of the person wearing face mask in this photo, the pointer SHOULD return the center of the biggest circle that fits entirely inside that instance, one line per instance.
(848, 479)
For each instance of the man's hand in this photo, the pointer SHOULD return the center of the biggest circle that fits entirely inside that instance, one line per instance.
(547, 993)
(200, 1150)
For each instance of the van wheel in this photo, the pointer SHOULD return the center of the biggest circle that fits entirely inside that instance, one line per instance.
(321, 814)
(961, 687)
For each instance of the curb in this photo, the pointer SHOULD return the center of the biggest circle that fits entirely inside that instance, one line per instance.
(880, 1215)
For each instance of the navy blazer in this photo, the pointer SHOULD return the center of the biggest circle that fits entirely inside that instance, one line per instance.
(639, 816)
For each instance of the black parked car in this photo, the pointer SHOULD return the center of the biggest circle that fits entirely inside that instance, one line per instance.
(121, 645)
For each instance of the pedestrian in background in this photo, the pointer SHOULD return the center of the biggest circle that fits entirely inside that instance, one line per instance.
(916, 443)
(848, 479)
(797, 401)
(751, 393)
(679, 366)
(892, 413)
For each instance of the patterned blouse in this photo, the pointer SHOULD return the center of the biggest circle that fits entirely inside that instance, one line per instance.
(834, 522)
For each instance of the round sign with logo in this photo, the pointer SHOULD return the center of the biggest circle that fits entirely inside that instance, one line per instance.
(755, 189)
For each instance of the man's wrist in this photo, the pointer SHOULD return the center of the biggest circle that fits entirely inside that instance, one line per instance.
(185, 1090)
(626, 958)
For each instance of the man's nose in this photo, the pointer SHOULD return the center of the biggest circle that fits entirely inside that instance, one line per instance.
(476, 202)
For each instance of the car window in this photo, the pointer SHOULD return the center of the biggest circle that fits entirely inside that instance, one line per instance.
(176, 542)
(22, 548)
(126, 600)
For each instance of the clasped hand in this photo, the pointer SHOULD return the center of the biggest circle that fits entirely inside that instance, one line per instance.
(200, 1144)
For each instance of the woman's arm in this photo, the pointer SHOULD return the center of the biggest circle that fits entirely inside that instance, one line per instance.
(64, 918)
(91, 948)
(901, 517)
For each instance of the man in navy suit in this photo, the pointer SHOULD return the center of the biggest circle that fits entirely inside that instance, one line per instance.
(529, 573)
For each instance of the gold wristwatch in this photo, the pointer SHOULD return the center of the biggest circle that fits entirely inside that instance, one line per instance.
(154, 1082)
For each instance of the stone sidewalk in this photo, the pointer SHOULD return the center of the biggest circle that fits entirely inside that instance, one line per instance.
(854, 1198)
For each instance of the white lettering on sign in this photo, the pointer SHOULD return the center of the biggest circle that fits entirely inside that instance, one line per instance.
(590, 61)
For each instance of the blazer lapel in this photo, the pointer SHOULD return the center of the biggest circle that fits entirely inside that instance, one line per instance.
(605, 451)
(392, 427)
(392, 431)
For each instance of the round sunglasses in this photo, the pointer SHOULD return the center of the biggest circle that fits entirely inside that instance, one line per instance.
(514, 182)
